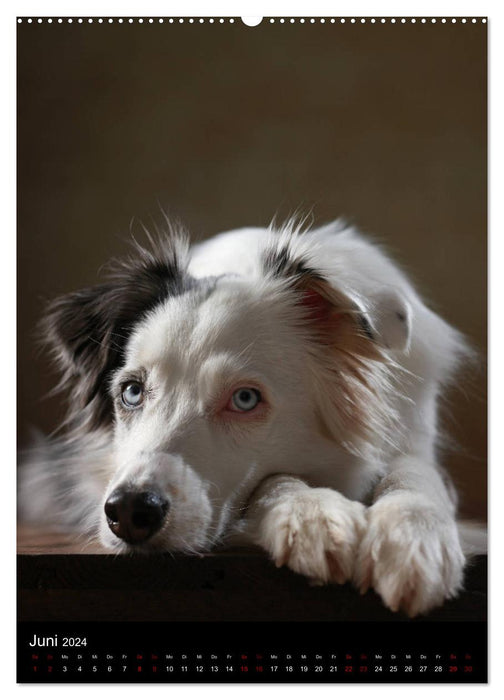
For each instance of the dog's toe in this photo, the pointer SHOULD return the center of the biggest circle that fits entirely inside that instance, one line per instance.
(320, 535)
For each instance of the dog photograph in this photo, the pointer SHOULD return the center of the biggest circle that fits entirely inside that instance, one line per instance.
(252, 316)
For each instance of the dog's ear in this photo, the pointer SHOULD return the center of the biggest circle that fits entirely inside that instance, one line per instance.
(88, 330)
(351, 340)
(384, 319)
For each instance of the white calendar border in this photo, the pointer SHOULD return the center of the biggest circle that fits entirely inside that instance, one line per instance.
(315, 8)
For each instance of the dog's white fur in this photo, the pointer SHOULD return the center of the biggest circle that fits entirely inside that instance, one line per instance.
(338, 476)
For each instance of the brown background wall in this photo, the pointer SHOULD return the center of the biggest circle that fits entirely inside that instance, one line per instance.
(225, 126)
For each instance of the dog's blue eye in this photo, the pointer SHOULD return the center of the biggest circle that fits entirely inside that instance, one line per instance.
(246, 399)
(132, 394)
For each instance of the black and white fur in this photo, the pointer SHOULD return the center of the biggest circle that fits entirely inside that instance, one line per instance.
(334, 471)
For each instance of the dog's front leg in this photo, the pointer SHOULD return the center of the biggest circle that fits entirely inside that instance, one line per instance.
(411, 552)
(314, 531)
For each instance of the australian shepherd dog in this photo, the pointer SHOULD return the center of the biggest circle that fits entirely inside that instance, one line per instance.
(275, 387)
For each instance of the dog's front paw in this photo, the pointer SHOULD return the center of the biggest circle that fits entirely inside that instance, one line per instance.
(315, 533)
(410, 554)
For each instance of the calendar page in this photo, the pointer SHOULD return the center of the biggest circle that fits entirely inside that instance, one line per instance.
(252, 344)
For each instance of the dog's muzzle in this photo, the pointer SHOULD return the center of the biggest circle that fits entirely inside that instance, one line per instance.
(135, 516)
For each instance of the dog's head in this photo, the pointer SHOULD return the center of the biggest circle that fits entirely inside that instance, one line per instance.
(207, 386)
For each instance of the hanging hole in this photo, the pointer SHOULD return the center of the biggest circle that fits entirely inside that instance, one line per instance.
(251, 21)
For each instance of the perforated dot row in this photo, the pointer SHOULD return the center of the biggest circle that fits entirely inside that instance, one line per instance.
(380, 20)
(232, 20)
(131, 20)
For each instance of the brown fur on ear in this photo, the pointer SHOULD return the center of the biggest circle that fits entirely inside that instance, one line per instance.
(334, 318)
(329, 310)
(88, 330)
(352, 374)
(351, 370)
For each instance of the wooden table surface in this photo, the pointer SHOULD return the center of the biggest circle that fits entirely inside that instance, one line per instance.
(34, 540)
(63, 577)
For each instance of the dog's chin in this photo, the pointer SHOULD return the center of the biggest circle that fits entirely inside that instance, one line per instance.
(151, 546)
(162, 542)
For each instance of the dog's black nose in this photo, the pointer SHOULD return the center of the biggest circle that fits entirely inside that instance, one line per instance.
(135, 516)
